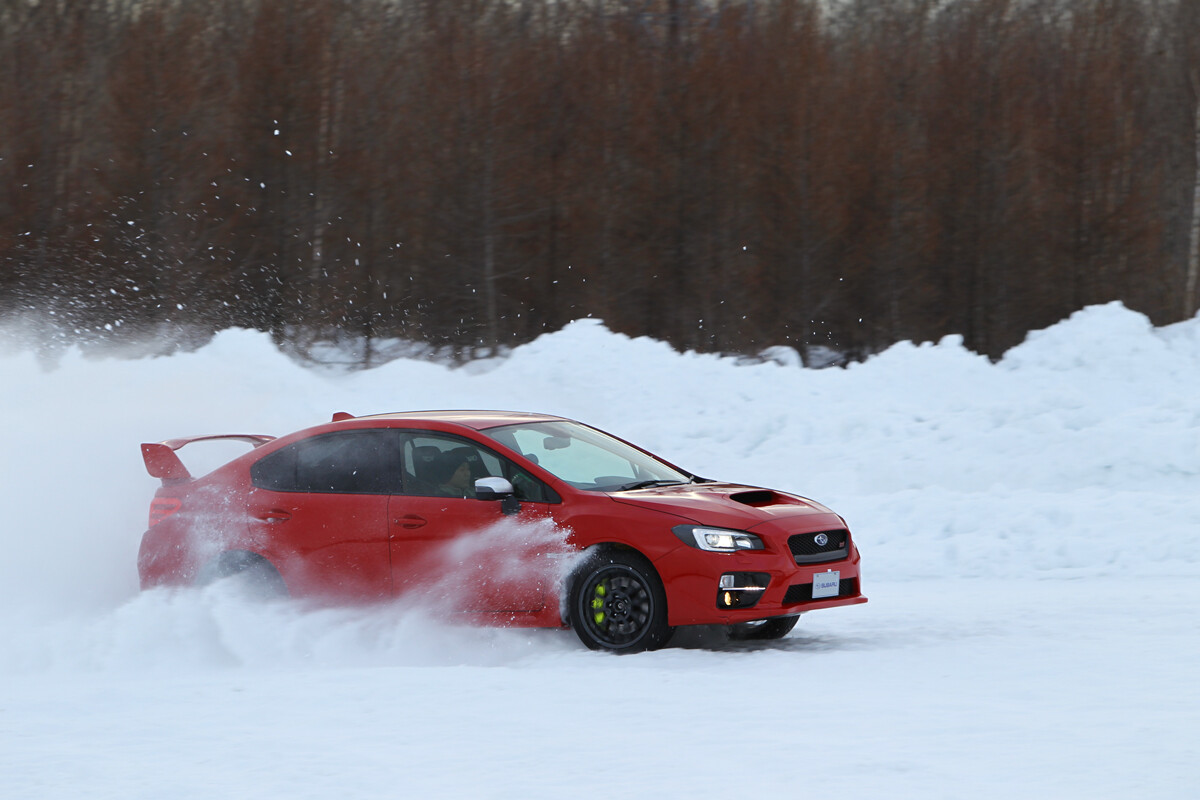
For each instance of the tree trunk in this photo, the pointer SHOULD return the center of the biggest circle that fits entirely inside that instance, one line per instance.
(490, 290)
(1190, 301)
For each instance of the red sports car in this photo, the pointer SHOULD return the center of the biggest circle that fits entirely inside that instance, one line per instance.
(512, 518)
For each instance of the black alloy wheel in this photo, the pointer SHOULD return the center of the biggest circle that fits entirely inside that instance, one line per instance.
(763, 629)
(617, 603)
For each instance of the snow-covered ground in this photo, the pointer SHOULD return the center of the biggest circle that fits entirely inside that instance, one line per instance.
(1031, 546)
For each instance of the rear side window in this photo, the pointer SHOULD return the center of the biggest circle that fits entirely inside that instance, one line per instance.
(346, 462)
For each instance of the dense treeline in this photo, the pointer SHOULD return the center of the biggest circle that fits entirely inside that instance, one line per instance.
(724, 175)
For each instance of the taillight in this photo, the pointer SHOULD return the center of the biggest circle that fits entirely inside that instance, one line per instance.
(161, 508)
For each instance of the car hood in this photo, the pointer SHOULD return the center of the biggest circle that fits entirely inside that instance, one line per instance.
(725, 505)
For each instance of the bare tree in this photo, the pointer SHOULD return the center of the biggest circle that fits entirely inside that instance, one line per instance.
(723, 174)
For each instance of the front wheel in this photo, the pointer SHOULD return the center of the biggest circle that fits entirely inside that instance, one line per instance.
(617, 603)
(763, 629)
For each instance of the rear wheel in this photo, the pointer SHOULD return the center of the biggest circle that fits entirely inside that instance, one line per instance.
(617, 603)
(763, 629)
(248, 574)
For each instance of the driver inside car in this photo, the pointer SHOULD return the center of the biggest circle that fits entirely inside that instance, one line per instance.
(454, 474)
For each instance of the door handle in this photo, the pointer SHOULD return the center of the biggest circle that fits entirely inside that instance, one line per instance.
(411, 521)
(275, 515)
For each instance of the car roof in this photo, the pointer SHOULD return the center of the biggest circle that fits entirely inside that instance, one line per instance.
(479, 420)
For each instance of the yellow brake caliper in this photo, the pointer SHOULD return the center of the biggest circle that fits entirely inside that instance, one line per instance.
(598, 603)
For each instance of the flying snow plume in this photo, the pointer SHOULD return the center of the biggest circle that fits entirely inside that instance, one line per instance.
(460, 615)
(510, 566)
(219, 627)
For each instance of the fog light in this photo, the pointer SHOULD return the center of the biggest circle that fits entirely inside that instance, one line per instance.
(741, 589)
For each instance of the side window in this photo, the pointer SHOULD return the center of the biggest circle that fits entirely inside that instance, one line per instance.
(348, 462)
(439, 465)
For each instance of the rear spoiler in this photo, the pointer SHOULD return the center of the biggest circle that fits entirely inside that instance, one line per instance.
(161, 461)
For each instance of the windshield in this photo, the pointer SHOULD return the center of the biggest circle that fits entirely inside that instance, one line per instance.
(586, 458)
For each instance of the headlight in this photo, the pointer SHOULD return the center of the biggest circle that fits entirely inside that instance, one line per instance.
(717, 540)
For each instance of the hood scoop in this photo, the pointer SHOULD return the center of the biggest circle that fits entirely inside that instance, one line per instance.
(759, 498)
(724, 505)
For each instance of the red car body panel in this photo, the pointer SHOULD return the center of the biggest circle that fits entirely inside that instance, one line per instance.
(375, 546)
(328, 545)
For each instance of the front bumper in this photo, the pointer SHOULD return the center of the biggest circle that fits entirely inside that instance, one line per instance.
(694, 595)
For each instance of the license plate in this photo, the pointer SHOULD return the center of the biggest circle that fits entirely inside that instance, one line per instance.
(825, 584)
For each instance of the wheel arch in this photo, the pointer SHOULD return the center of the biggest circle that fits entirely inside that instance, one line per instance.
(600, 549)
(232, 562)
(582, 560)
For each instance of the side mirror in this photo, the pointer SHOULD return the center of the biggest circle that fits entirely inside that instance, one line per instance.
(498, 489)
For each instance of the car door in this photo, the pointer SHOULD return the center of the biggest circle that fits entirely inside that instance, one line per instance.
(465, 554)
(319, 510)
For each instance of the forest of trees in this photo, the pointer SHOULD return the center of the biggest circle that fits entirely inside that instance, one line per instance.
(724, 175)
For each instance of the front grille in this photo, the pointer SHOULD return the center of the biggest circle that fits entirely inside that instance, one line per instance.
(806, 550)
(802, 592)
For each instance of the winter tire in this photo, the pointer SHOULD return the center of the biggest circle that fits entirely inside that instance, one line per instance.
(617, 603)
(247, 573)
(763, 629)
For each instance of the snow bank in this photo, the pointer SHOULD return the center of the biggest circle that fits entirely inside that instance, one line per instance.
(1078, 453)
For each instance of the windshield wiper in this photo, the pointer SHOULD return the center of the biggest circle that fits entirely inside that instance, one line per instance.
(629, 487)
